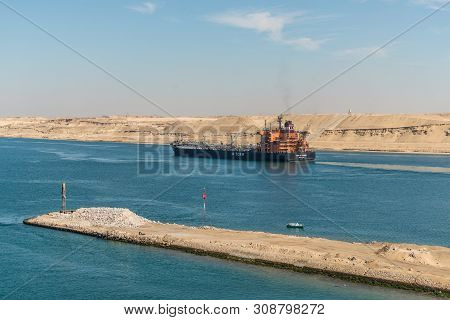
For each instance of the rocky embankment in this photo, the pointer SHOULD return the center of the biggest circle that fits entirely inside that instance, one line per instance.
(367, 132)
(411, 266)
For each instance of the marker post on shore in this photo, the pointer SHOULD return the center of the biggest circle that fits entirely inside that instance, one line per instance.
(63, 197)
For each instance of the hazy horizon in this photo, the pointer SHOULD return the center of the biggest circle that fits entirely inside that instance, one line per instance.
(274, 114)
(223, 57)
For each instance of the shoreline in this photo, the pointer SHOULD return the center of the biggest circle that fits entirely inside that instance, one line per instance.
(406, 266)
(396, 133)
(347, 150)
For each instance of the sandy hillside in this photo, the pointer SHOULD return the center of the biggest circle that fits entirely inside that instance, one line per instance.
(369, 132)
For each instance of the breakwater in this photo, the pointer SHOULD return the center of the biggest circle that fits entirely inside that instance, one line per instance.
(425, 268)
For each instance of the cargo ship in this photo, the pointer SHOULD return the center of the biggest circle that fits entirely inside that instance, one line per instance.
(282, 144)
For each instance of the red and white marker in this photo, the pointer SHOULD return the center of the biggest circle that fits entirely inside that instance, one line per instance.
(204, 196)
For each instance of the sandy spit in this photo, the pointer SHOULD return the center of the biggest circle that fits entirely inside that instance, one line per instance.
(409, 266)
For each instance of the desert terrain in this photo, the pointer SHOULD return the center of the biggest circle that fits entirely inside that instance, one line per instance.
(428, 133)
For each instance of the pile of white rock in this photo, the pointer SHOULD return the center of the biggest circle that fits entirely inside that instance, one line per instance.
(106, 217)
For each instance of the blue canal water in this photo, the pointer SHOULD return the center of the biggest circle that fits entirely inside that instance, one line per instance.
(344, 196)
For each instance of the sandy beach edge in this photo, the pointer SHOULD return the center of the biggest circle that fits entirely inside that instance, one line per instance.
(349, 276)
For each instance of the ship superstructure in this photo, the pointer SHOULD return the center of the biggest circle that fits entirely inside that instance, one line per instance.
(281, 144)
(283, 139)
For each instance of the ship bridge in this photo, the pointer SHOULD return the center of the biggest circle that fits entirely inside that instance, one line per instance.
(284, 139)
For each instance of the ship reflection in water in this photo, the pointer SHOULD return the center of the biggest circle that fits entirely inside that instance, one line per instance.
(283, 144)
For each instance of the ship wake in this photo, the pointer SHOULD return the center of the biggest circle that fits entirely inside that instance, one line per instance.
(391, 167)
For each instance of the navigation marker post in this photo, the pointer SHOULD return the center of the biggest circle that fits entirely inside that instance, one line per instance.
(204, 196)
(63, 197)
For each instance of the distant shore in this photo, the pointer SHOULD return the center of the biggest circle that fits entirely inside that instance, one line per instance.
(409, 266)
(319, 150)
(396, 133)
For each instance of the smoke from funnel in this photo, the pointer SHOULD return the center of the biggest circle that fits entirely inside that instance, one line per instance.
(284, 85)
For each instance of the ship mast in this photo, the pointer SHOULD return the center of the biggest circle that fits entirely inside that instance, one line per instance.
(280, 120)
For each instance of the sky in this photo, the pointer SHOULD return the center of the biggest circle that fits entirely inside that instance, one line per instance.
(204, 57)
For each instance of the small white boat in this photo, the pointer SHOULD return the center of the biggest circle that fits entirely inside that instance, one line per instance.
(294, 225)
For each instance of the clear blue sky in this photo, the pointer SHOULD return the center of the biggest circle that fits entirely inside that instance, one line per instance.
(222, 57)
